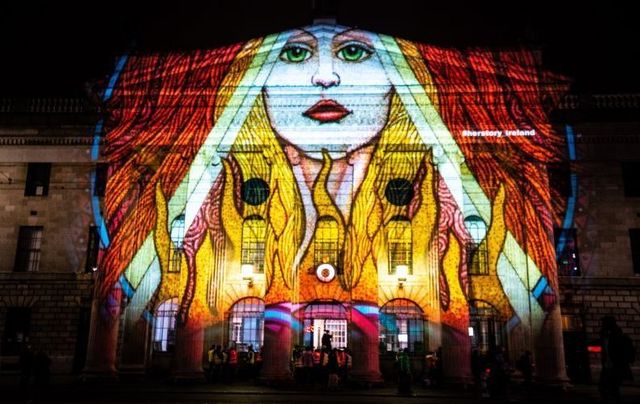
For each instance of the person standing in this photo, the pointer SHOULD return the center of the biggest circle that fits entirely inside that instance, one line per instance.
(617, 355)
(327, 338)
(525, 366)
(404, 372)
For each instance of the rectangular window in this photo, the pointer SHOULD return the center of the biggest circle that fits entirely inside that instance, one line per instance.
(16, 330)
(93, 245)
(477, 256)
(28, 253)
(634, 236)
(630, 178)
(399, 240)
(37, 183)
(100, 180)
(567, 256)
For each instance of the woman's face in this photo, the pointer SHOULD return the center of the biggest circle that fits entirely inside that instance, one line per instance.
(328, 89)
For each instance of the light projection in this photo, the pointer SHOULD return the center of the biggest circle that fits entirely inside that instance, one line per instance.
(350, 149)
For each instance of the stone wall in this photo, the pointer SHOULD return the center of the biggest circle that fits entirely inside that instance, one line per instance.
(56, 302)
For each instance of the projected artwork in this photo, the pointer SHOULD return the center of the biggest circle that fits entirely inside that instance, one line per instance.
(333, 176)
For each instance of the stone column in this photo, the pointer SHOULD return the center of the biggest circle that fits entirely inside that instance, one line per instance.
(103, 335)
(133, 357)
(277, 343)
(364, 343)
(456, 355)
(549, 350)
(189, 350)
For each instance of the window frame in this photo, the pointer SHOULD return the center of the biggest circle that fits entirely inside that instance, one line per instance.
(253, 242)
(400, 249)
(38, 175)
(29, 249)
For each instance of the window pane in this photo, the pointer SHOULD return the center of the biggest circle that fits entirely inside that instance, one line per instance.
(326, 244)
(28, 252)
(402, 326)
(246, 323)
(164, 326)
(37, 183)
(399, 243)
(254, 230)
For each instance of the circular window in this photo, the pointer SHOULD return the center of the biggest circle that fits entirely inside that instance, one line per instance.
(399, 191)
(254, 191)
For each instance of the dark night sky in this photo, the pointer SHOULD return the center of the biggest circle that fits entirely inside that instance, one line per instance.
(54, 49)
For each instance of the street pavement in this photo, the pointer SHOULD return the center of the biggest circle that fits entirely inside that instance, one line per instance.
(73, 390)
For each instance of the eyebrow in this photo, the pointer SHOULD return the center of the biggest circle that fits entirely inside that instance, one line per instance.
(350, 35)
(302, 36)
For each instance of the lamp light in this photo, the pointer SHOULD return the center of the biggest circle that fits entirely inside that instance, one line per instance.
(247, 273)
(401, 274)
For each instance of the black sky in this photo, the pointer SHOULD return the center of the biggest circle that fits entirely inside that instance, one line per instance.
(54, 49)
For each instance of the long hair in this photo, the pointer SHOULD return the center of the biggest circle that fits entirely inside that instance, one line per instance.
(165, 105)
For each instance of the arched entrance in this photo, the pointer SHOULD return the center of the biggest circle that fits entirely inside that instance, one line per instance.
(486, 325)
(246, 323)
(321, 316)
(402, 326)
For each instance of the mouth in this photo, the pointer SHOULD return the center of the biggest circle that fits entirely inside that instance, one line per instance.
(326, 111)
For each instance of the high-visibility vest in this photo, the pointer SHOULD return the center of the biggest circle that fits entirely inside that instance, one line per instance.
(233, 357)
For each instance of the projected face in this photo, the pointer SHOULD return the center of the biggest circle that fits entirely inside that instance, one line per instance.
(328, 90)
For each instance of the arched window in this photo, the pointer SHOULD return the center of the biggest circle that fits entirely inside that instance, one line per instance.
(326, 243)
(402, 326)
(477, 254)
(399, 242)
(488, 329)
(321, 316)
(177, 243)
(246, 323)
(254, 230)
(164, 326)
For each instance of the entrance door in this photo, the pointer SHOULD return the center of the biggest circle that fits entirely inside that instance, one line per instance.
(321, 316)
(337, 328)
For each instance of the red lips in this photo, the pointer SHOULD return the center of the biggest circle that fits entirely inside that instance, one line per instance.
(325, 111)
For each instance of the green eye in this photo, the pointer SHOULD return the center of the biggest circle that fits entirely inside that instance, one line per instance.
(295, 54)
(354, 53)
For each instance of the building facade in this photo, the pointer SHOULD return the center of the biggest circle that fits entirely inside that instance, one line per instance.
(395, 194)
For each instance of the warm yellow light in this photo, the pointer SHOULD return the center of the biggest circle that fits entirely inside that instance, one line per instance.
(401, 272)
(247, 271)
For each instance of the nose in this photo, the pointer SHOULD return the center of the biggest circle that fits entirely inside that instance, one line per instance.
(326, 75)
(325, 79)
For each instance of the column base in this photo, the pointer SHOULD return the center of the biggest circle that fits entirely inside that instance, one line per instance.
(369, 378)
(188, 376)
(99, 375)
(276, 378)
(132, 372)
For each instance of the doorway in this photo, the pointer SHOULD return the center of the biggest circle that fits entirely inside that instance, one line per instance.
(319, 317)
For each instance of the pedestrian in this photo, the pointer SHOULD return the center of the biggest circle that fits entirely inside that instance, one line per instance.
(617, 355)
(232, 368)
(307, 363)
(26, 365)
(332, 370)
(498, 373)
(404, 372)
(327, 339)
(251, 362)
(41, 372)
(525, 366)
(211, 353)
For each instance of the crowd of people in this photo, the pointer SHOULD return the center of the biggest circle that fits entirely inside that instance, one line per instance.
(227, 364)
